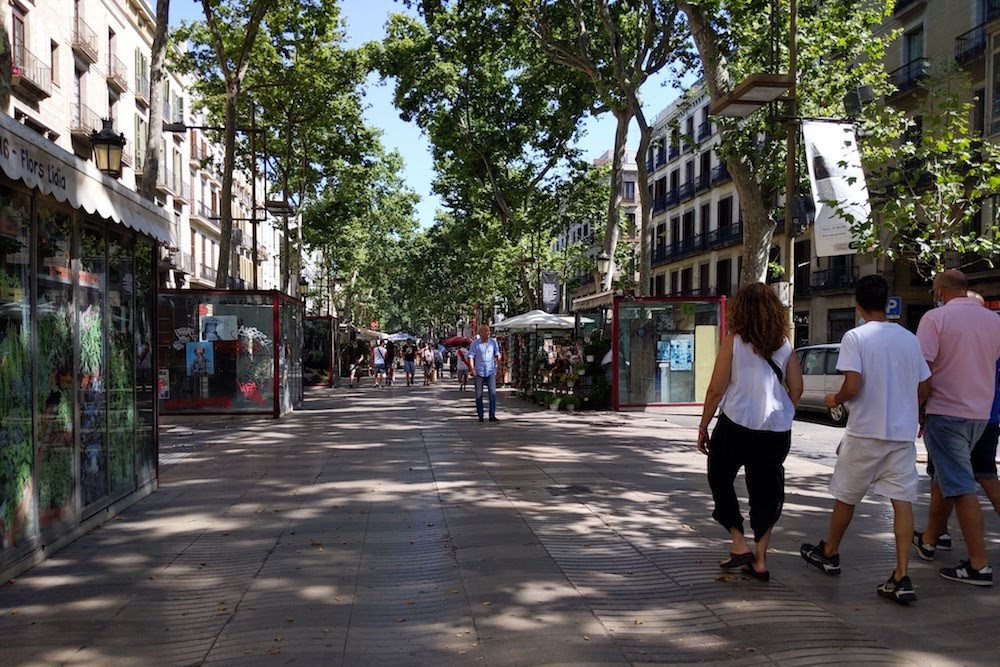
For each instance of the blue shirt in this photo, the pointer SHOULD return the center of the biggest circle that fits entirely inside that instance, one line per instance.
(484, 356)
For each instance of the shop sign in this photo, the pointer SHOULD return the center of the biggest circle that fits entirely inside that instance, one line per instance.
(25, 162)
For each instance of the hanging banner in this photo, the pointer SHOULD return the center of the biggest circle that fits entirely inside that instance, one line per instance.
(838, 185)
(550, 291)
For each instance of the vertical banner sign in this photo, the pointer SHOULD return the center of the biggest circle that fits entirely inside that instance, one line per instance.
(550, 291)
(838, 185)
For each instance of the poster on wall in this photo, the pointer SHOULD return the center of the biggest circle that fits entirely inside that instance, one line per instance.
(682, 352)
(838, 185)
(663, 351)
(200, 359)
(163, 383)
(219, 327)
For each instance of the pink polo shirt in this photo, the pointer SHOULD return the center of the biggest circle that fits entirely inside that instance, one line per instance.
(961, 342)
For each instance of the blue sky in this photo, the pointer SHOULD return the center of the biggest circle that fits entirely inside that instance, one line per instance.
(365, 22)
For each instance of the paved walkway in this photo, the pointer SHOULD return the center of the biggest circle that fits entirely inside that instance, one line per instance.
(389, 527)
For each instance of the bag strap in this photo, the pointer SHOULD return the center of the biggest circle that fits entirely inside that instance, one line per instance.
(776, 369)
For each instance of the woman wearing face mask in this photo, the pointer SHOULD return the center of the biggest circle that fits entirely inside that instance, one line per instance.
(758, 382)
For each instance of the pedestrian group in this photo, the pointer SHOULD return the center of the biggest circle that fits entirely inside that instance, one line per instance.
(942, 381)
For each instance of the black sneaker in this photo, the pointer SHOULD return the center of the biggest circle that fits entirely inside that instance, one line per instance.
(899, 591)
(925, 551)
(944, 542)
(965, 573)
(814, 556)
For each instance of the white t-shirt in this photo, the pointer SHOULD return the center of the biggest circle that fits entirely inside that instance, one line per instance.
(755, 399)
(463, 354)
(380, 353)
(891, 365)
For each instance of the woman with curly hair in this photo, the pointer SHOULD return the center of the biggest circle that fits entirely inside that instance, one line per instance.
(758, 382)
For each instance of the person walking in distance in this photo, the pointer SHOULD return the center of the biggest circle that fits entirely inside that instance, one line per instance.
(409, 361)
(885, 381)
(357, 363)
(484, 354)
(961, 342)
(984, 463)
(427, 357)
(390, 363)
(758, 381)
(378, 363)
(462, 367)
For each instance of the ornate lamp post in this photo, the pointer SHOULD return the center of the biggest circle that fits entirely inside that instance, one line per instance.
(108, 147)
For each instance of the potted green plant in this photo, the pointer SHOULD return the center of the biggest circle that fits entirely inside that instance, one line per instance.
(554, 402)
(571, 403)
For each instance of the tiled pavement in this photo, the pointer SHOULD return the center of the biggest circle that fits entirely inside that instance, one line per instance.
(389, 527)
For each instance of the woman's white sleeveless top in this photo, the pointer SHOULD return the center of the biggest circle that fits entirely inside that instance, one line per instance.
(755, 399)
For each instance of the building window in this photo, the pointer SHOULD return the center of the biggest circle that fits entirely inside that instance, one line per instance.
(18, 41)
(913, 43)
(841, 320)
(995, 82)
(54, 59)
(628, 190)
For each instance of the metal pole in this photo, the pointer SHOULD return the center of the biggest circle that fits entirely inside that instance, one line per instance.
(791, 129)
(253, 190)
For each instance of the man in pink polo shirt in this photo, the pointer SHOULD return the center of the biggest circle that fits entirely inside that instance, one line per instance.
(961, 343)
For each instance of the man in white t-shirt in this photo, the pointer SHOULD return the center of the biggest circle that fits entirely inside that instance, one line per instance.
(379, 355)
(885, 381)
(461, 356)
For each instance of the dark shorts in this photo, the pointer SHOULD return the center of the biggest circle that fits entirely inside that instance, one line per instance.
(984, 454)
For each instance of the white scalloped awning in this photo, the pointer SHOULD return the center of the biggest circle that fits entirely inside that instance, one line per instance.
(44, 166)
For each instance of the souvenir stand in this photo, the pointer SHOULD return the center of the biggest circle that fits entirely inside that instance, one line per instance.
(538, 346)
(229, 352)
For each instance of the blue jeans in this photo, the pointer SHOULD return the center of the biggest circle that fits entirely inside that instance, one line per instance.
(491, 382)
(949, 442)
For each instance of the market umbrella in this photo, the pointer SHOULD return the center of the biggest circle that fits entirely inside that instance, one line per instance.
(457, 341)
(535, 319)
(401, 336)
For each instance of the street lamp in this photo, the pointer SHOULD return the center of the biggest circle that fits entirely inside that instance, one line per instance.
(757, 91)
(108, 147)
(603, 262)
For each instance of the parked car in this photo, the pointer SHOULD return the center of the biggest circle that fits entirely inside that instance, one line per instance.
(819, 378)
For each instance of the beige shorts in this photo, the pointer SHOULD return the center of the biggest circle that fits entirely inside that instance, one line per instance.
(886, 467)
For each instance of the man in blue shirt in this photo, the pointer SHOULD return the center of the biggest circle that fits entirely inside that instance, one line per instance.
(484, 353)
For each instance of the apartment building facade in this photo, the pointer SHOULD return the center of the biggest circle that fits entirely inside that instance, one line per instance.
(697, 220)
(581, 286)
(78, 61)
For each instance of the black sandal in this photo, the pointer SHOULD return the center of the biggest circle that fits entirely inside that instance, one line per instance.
(736, 560)
(759, 576)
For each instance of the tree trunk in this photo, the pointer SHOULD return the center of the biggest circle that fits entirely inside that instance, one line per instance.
(154, 129)
(645, 203)
(612, 231)
(757, 224)
(226, 203)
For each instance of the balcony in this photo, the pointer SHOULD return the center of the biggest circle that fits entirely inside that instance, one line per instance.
(903, 6)
(166, 181)
(662, 254)
(117, 74)
(237, 237)
(675, 151)
(720, 174)
(672, 199)
(659, 203)
(726, 235)
(83, 120)
(30, 77)
(84, 41)
(661, 158)
(187, 263)
(838, 278)
(142, 89)
(686, 191)
(207, 272)
(691, 245)
(906, 78)
(182, 190)
(704, 130)
(971, 46)
(701, 182)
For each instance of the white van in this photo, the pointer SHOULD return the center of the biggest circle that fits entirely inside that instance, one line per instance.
(819, 378)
